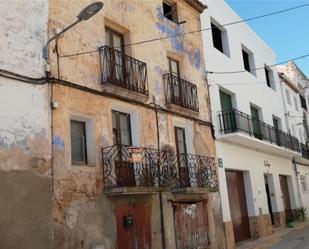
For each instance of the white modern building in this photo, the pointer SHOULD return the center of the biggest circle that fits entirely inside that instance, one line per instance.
(295, 95)
(258, 184)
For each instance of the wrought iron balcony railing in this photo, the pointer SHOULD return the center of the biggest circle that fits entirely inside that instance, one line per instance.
(122, 70)
(125, 166)
(304, 150)
(180, 92)
(237, 121)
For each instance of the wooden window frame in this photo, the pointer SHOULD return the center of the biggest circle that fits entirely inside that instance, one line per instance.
(118, 133)
(85, 142)
(173, 13)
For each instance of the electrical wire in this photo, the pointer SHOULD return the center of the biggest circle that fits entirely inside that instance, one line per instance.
(23, 78)
(195, 31)
(259, 68)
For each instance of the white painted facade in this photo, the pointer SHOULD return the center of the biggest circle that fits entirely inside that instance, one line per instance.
(294, 83)
(24, 107)
(238, 150)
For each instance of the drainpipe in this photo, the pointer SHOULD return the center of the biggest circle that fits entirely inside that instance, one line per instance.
(160, 194)
(297, 182)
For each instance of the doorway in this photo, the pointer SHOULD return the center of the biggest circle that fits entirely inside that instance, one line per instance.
(256, 122)
(133, 226)
(285, 196)
(238, 205)
(268, 194)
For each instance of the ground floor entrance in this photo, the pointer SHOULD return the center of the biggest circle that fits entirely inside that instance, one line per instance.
(133, 226)
(238, 205)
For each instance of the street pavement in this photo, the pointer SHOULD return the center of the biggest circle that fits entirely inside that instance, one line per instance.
(298, 239)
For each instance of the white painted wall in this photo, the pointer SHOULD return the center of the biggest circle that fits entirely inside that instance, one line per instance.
(252, 163)
(24, 108)
(246, 88)
(257, 92)
(304, 171)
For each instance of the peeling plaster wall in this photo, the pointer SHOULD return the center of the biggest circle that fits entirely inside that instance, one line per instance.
(25, 144)
(78, 189)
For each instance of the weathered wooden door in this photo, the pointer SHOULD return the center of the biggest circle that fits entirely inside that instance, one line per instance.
(238, 205)
(136, 235)
(285, 195)
(191, 225)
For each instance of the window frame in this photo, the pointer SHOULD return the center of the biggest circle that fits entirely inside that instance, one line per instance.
(288, 96)
(173, 12)
(85, 162)
(118, 127)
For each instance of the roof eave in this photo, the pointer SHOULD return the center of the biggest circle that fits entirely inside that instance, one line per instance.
(197, 5)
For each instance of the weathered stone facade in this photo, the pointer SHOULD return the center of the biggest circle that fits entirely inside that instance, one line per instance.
(84, 213)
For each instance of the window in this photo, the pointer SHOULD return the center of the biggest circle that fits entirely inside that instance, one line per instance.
(173, 67)
(121, 128)
(78, 142)
(114, 39)
(217, 37)
(269, 77)
(288, 98)
(248, 60)
(303, 102)
(300, 135)
(296, 103)
(303, 183)
(170, 11)
(293, 130)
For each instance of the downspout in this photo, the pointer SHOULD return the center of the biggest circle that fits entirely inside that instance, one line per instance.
(160, 194)
(297, 182)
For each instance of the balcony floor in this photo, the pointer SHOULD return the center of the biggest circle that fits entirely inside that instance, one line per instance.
(253, 143)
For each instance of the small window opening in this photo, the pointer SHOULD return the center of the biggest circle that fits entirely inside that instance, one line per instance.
(170, 11)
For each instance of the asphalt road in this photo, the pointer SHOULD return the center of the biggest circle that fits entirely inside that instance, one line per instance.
(295, 240)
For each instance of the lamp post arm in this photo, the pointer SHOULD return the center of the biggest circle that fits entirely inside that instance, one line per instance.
(45, 48)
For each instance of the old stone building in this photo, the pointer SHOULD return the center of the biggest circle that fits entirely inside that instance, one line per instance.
(133, 151)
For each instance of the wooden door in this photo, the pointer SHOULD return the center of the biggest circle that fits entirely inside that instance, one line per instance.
(181, 149)
(138, 235)
(269, 199)
(285, 195)
(238, 205)
(228, 116)
(191, 225)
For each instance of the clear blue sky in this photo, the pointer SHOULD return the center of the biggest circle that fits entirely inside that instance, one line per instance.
(287, 33)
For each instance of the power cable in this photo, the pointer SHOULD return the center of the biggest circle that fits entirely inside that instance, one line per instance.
(195, 31)
(259, 68)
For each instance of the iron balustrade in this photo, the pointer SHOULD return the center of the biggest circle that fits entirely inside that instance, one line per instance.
(304, 150)
(237, 121)
(180, 92)
(122, 70)
(156, 168)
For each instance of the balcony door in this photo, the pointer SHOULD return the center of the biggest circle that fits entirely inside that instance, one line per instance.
(256, 122)
(175, 80)
(115, 41)
(122, 138)
(277, 131)
(228, 115)
(181, 149)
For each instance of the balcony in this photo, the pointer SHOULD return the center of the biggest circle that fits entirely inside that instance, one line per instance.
(180, 92)
(237, 122)
(122, 72)
(304, 151)
(139, 170)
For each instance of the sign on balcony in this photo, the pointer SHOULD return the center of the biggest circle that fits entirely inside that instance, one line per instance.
(135, 154)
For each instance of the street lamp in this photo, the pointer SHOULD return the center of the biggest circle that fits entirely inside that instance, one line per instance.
(84, 15)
